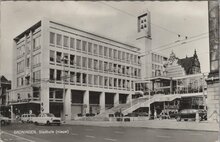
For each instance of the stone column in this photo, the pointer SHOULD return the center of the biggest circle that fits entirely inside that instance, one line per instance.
(102, 102)
(44, 98)
(67, 104)
(86, 102)
(116, 99)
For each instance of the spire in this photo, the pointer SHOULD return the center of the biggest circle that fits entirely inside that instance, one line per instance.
(195, 54)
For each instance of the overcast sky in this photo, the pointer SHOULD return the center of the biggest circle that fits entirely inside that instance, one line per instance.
(107, 19)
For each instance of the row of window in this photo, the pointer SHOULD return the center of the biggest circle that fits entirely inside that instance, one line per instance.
(93, 64)
(92, 48)
(157, 58)
(21, 47)
(90, 79)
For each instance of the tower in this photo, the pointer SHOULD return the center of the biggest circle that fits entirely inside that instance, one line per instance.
(144, 42)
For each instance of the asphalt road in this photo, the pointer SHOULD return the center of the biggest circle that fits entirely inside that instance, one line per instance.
(69, 133)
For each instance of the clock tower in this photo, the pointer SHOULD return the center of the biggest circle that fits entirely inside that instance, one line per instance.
(144, 43)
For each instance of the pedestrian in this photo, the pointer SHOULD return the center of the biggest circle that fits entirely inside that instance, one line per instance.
(155, 114)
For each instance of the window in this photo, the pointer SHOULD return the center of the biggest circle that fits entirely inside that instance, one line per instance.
(100, 80)
(123, 56)
(115, 54)
(20, 66)
(58, 76)
(36, 76)
(95, 64)
(110, 67)
(52, 38)
(90, 63)
(100, 65)
(36, 42)
(66, 41)
(105, 66)
(84, 46)
(95, 50)
(105, 51)
(52, 74)
(59, 55)
(72, 58)
(95, 79)
(59, 39)
(52, 56)
(78, 77)
(90, 79)
(66, 58)
(36, 60)
(128, 57)
(72, 77)
(84, 62)
(84, 78)
(106, 81)
(135, 59)
(100, 50)
(72, 43)
(115, 82)
(119, 55)
(78, 61)
(110, 81)
(110, 53)
(78, 45)
(90, 48)
(28, 62)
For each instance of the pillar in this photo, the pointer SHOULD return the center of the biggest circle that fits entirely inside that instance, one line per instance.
(116, 99)
(102, 102)
(67, 104)
(86, 102)
(44, 99)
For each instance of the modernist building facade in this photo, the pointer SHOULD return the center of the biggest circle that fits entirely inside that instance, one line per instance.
(64, 70)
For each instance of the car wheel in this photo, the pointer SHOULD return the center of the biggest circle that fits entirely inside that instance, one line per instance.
(48, 123)
(2, 122)
(178, 118)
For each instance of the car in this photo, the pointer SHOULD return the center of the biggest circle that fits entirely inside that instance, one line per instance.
(47, 119)
(4, 120)
(190, 114)
(27, 118)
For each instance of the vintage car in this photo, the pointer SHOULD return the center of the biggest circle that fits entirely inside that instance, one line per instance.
(27, 118)
(46, 118)
(4, 120)
(190, 114)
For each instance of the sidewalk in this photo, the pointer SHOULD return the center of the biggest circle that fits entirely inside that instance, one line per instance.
(158, 124)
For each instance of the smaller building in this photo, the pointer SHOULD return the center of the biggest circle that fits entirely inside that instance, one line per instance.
(5, 85)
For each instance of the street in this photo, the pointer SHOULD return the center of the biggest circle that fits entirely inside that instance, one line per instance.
(19, 132)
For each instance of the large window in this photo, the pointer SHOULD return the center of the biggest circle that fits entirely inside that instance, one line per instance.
(52, 56)
(95, 49)
(66, 58)
(95, 64)
(100, 80)
(72, 43)
(36, 42)
(36, 76)
(52, 74)
(36, 60)
(59, 40)
(58, 76)
(52, 38)
(72, 58)
(84, 62)
(78, 45)
(20, 66)
(66, 41)
(59, 56)
(78, 61)
(90, 48)
(90, 63)
(105, 51)
(100, 50)
(110, 53)
(100, 65)
(84, 46)
(96, 80)
(90, 79)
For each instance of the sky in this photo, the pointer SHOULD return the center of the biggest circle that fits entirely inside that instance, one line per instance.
(115, 20)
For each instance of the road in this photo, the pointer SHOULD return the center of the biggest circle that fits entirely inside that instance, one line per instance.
(69, 133)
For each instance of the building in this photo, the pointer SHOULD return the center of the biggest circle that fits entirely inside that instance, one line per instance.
(213, 99)
(64, 70)
(5, 85)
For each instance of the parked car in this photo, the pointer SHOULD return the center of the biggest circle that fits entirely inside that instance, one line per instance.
(190, 114)
(164, 115)
(46, 118)
(4, 120)
(27, 118)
